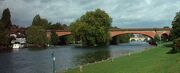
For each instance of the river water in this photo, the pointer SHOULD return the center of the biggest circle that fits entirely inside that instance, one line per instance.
(40, 61)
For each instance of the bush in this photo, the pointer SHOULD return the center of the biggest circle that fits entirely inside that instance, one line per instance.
(36, 35)
(156, 38)
(177, 45)
(169, 45)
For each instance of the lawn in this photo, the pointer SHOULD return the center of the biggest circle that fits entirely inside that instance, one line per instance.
(150, 61)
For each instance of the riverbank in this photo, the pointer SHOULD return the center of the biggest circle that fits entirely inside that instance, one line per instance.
(154, 60)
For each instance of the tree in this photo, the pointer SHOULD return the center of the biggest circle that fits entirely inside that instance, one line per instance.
(3, 35)
(38, 21)
(92, 28)
(54, 38)
(176, 26)
(175, 33)
(124, 38)
(5, 24)
(36, 35)
(58, 26)
(6, 18)
(177, 45)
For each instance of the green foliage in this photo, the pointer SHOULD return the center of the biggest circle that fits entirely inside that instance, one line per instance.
(70, 39)
(58, 26)
(124, 38)
(175, 33)
(92, 28)
(38, 21)
(157, 38)
(54, 38)
(177, 45)
(176, 26)
(5, 24)
(3, 35)
(37, 35)
(120, 39)
(6, 18)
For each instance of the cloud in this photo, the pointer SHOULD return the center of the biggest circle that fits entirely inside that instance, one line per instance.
(125, 13)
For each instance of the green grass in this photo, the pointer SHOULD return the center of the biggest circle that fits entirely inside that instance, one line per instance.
(150, 61)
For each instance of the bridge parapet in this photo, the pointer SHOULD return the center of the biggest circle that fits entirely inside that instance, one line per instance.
(141, 29)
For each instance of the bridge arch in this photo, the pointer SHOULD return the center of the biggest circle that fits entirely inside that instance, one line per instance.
(65, 33)
(58, 32)
(164, 36)
(149, 34)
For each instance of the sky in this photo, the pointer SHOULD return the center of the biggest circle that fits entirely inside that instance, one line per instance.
(125, 13)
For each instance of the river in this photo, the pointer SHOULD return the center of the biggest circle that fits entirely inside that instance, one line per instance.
(40, 61)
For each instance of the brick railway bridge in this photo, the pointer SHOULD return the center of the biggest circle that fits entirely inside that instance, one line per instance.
(150, 32)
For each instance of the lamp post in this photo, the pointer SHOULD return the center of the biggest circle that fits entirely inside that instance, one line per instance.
(53, 58)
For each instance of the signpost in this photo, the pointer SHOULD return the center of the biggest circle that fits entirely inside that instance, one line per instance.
(53, 58)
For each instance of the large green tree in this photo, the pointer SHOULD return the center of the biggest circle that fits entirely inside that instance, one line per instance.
(5, 24)
(176, 33)
(6, 18)
(92, 28)
(36, 33)
(176, 26)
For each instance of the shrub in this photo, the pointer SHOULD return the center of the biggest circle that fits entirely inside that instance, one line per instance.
(177, 45)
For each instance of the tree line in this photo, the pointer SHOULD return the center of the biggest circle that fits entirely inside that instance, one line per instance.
(91, 29)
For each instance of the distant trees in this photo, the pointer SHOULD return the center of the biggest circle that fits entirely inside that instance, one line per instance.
(58, 26)
(124, 38)
(120, 39)
(38, 21)
(92, 28)
(5, 24)
(36, 33)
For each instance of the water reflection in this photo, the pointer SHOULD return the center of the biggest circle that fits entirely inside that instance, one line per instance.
(92, 57)
(3, 64)
(36, 49)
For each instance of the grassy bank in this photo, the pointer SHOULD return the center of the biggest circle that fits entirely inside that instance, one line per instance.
(150, 61)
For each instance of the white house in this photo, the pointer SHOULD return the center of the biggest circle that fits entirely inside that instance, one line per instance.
(18, 41)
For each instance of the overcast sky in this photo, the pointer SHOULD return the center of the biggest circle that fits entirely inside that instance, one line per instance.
(125, 13)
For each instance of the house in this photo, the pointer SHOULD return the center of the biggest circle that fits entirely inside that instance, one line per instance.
(18, 40)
